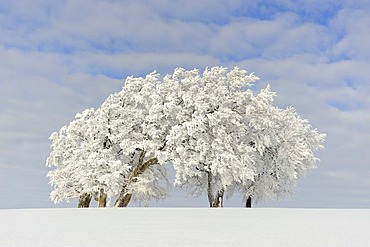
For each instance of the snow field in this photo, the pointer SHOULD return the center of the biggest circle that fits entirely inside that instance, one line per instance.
(184, 227)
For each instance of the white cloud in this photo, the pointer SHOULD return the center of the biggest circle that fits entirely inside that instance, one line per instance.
(351, 25)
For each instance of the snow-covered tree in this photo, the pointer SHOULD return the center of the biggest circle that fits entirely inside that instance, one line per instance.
(285, 145)
(209, 143)
(110, 152)
(228, 138)
(81, 156)
(138, 127)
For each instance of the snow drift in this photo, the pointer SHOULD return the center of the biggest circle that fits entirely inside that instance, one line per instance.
(111, 227)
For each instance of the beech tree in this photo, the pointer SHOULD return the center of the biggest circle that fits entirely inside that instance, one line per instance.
(284, 145)
(138, 127)
(228, 138)
(110, 152)
(209, 143)
(79, 153)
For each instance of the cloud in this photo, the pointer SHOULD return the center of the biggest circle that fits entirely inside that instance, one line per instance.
(351, 25)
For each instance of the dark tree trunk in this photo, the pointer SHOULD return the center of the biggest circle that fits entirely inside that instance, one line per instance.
(102, 203)
(211, 198)
(84, 201)
(124, 198)
(248, 203)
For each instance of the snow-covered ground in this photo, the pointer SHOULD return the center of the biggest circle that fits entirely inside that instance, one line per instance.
(184, 227)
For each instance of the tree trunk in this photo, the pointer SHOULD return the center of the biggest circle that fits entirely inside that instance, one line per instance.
(124, 198)
(248, 203)
(102, 199)
(218, 203)
(214, 201)
(84, 201)
(211, 198)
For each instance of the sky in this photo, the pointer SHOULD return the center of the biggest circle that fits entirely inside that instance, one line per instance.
(60, 57)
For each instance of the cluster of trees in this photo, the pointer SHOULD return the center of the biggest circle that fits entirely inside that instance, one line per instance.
(220, 136)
